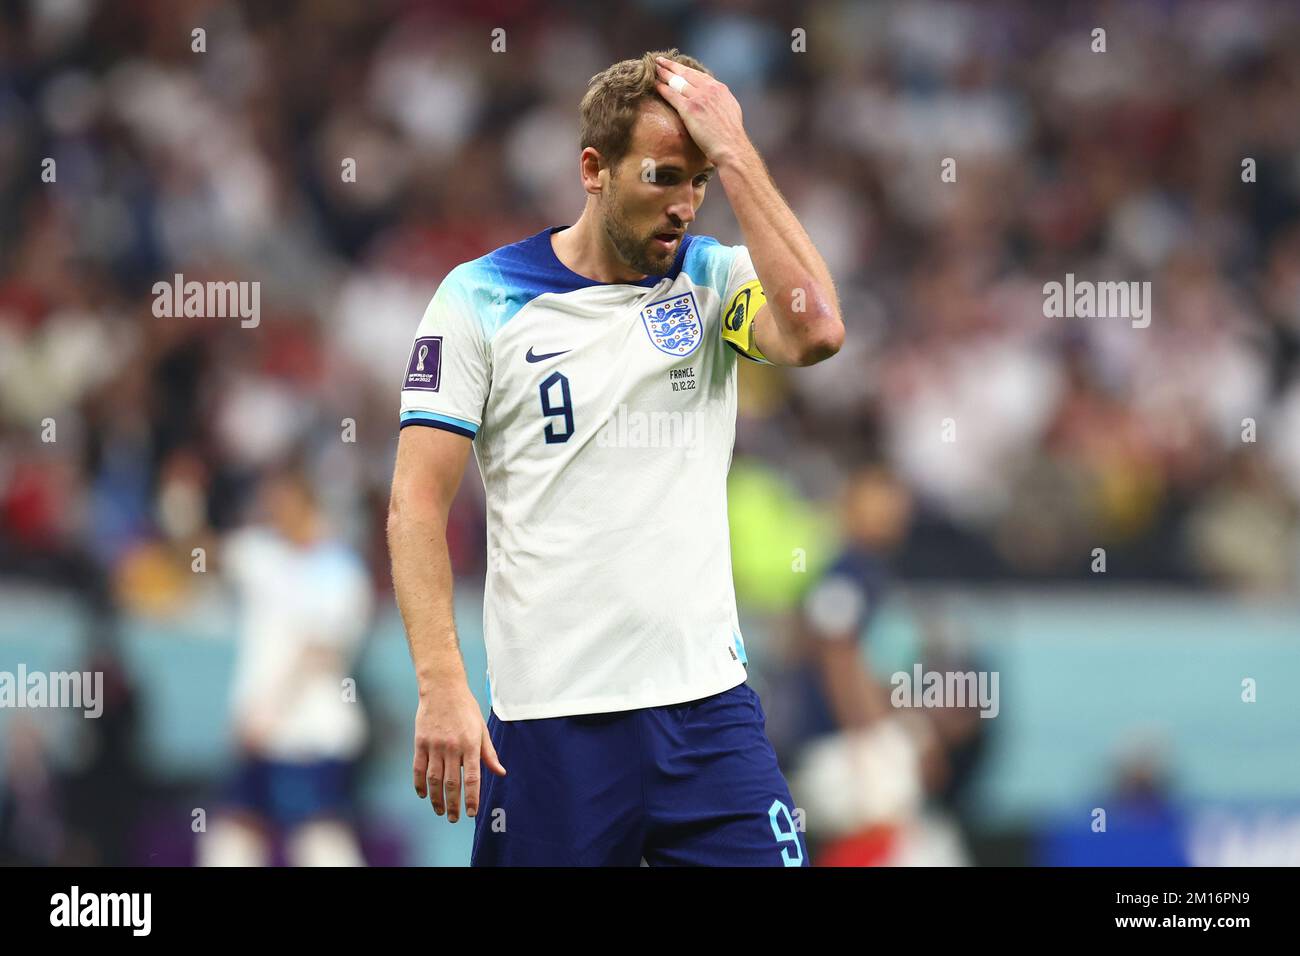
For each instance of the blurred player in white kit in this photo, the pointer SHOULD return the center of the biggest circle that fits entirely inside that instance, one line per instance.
(305, 602)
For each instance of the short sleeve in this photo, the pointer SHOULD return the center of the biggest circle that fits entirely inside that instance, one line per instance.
(836, 607)
(445, 383)
(742, 298)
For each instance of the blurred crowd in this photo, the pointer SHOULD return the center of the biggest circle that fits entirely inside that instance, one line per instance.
(1012, 444)
(1066, 435)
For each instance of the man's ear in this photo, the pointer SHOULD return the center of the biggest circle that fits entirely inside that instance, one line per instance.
(590, 163)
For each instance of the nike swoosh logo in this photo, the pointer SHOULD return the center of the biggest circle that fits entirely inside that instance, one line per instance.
(542, 358)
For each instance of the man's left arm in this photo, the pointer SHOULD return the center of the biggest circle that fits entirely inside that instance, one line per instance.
(800, 324)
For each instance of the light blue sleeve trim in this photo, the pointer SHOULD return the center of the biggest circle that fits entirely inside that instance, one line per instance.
(421, 416)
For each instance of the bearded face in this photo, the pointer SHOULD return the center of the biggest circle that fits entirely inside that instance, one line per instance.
(645, 216)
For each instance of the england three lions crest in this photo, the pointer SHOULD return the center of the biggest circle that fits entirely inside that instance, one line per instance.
(674, 324)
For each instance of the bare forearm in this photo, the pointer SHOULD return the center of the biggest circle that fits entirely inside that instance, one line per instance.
(422, 581)
(801, 297)
(855, 699)
(800, 324)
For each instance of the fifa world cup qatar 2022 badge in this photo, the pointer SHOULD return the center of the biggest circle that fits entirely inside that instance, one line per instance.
(425, 365)
(673, 324)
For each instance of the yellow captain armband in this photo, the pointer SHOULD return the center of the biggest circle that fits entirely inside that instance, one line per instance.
(738, 319)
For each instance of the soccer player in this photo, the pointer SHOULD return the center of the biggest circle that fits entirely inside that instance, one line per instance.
(305, 604)
(593, 368)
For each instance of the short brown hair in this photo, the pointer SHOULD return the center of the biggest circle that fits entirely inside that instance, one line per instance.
(614, 98)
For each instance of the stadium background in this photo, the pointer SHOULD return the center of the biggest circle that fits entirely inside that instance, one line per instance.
(1120, 689)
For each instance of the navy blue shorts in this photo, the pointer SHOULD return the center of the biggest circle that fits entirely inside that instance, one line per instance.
(289, 794)
(692, 784)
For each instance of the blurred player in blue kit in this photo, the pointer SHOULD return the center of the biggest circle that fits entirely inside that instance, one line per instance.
(593, 369)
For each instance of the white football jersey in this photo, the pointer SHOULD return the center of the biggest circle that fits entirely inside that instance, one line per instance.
(603, 417)
(291, 599)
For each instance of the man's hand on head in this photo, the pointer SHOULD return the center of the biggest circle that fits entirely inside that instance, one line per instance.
(800, 322)
(710, 112)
